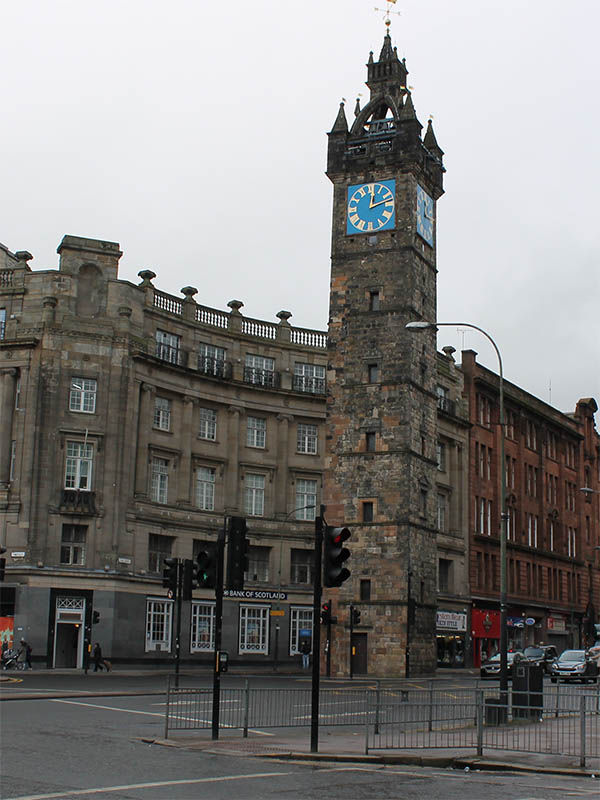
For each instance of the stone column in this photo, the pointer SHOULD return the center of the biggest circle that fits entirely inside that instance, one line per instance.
(185, 463)
(8, 378)
(232, 484)
(281, 476)
(146, 416)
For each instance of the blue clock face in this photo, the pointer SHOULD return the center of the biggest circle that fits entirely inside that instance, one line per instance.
(424, 215)
(370, 207)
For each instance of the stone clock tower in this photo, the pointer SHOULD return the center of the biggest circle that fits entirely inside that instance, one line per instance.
(380, 462)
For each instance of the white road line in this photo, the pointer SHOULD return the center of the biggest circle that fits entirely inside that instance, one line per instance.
(153, 785)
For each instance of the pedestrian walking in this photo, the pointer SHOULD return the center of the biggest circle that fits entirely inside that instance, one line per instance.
(98, 660)
(24, 657)
(305, 650)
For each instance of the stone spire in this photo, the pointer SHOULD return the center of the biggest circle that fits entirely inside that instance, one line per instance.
(341, 123)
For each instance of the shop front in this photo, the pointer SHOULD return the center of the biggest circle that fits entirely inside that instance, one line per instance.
(451, 631)
(485, 632)
(558, 632)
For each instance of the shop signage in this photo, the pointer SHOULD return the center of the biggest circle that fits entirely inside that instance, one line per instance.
(254, 594)
(556, 624)
(515, 622)
(18, 554)
(530, 621)
(277, 612)
(451, 621)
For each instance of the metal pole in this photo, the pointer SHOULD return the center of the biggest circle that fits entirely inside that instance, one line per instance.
(218, 632)
(316, 666)
(328, 659)
(178, 634)
(276, 654)
(351, 635)
(408, 611)
(246, 706)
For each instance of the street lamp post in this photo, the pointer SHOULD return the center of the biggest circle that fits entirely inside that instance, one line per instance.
(421, 326)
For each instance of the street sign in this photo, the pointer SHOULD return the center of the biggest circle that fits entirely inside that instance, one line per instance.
(276, 612)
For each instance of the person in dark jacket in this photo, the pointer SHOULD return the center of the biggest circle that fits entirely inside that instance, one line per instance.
(305, 650)
(98, 660)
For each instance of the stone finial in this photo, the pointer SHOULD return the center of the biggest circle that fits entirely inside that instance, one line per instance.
(189, 292)
(448, 350)
(283, 316)
(235, 306)
(147, 276)
(23, 255)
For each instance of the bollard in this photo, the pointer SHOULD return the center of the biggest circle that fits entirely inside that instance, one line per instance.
(167, 707)
(582, 731)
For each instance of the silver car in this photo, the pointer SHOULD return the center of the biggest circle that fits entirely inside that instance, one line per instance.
(574, 665)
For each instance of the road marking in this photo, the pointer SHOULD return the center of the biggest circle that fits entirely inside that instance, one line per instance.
(155, 714)
(152, 785)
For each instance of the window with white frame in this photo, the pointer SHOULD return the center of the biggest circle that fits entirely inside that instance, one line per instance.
(13, 460)
(203, 627)
(78, 467)
(162, 413)
(2, 322)
(254, 629)
(441, 456)
(159, 615)
(301, 620)
(256, 432)
(211, 359)
(259, 370)
(72, 545)
(254, 494)
(571, 540)
(205, 488)
(160, 480)
(208, 424)
(309, 378)
(18, 393)
(258, 564)
(159, 548)
(82, 395)
(532, 530)
(441, 511)
(307, 438)
(306, 498)
(302, 566)
(168, 347)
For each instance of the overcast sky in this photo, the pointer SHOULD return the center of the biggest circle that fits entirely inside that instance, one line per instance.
(194, 134)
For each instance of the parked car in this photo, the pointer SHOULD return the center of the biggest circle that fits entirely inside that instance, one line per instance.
(574, 665)
(542, 655)
(491, 667)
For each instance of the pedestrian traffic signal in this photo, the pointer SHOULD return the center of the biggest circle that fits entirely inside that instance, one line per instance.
(325, 614)
(170, 575)
(355, 614)
(190, 578)
(95, 617)
(334, 573)
(207, 569)
(237, 553)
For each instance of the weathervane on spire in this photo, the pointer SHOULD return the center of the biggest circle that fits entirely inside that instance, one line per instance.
(388, 11)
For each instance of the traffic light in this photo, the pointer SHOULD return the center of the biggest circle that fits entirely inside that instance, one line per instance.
(237, 553)
(170, 575)
(207, 569)
(325, 614)
(95, 617)
(334, 573)
(190, 578)
(2, 568)
(355, 616)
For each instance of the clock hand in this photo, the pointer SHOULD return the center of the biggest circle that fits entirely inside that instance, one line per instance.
(371, 203)
(380, 203)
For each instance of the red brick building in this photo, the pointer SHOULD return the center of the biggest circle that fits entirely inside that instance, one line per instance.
(553, 531)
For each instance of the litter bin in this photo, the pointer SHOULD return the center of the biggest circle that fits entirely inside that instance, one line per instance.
(527, 691)
(496, 710)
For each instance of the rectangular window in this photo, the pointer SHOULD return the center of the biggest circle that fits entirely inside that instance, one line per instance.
(18, 393)
(211, 360)
(444, 575)
(301, 567)
(374, 301)
(510, 424)
(160, 480)
(203, 627)
(441, 511)
(306, 439)
(441, 456)
(78, 470)
(256, 432)
(370, 441)
(2, 322)
(208, 424)
(168, 347)
(373, 373)
(365, 589)
(484, 413)
(306, 498)
(72, 545)
(82, 396)
(159, 548)
(530, 435)
(254, 629)
(162, 413)
(301, 620)
(13, 460)
(260, 370)
(309, 378)
(367, 511)
(205, 488)
(159, 614)
(254, 495)
(258, 564)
